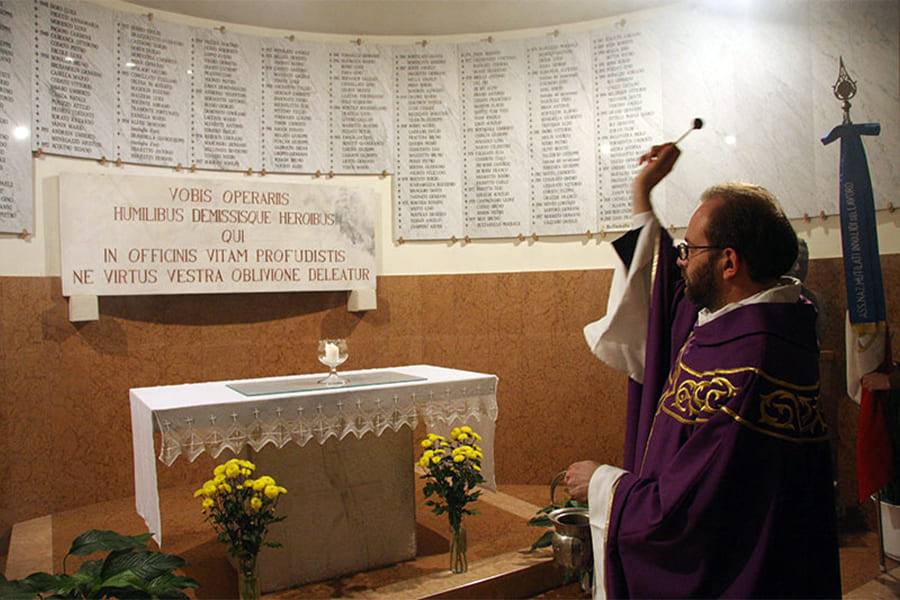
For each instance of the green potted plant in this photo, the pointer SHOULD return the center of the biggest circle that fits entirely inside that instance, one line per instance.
(129, 570)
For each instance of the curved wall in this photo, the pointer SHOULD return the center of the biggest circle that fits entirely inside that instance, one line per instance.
(39, 256)
(514, 309)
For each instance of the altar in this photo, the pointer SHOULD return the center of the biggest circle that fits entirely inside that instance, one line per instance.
(344, 453)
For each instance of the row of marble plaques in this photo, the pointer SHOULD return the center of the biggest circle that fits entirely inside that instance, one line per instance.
(484, 139)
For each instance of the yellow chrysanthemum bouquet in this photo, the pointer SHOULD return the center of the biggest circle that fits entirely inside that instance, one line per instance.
(240, 509)
(452, 472)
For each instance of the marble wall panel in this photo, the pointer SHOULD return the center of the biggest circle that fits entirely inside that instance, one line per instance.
(16, 35)
(64, 386)
(864, 34)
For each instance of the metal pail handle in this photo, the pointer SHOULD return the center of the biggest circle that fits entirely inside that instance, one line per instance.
(553, 485)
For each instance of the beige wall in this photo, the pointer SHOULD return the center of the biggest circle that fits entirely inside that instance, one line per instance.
(64, 413)
(514, 309)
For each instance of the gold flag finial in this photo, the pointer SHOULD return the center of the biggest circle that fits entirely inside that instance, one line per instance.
(844, 89)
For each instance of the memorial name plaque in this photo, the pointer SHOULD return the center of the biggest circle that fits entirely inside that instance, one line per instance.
(16, 37)
(361, 109)
(75, 79)
(429, 149)
(294, 107)
(130, 234)
(561, 136)
(225, 86)
(153, 83)
(495, 138)
(628, 109)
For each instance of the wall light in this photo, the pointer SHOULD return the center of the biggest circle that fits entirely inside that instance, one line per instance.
(21, 132)
(730, 140)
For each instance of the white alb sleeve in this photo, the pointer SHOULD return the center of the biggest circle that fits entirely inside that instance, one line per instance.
(619, 339)
(600, 499)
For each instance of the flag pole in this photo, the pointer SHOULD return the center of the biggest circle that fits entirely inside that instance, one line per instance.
(865, 295)
(877, 499)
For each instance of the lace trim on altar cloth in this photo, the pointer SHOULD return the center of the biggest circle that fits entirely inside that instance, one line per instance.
(294, 420)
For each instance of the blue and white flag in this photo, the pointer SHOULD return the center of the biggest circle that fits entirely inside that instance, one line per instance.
(859, 236)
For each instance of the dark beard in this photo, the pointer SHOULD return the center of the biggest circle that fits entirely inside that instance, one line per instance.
(701, 289)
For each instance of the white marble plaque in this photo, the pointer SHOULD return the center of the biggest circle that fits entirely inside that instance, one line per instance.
(294, 106)
(360, 109)
(561, 135)
(495, 138)
(628, 113)
(129, 234)
(225, 100)
(697, 50)
(773, 131)
(428, 194)
(153, 84)
(74, 83)
(866, 35)
(16, 194)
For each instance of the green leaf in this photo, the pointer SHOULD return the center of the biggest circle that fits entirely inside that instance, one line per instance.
(543, 541)
(78, 585)
(96, 540)
(126, 580)
(15, 589)
(168, 585)
(42, 582)
(540, 521)
(145, 564)
(90, 569)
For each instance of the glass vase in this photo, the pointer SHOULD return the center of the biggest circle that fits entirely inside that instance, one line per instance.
(248, 580)
(459, 563)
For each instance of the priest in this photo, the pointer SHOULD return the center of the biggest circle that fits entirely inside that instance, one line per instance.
(726, 488)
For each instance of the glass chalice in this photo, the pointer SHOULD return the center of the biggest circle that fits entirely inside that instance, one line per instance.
(332, 354)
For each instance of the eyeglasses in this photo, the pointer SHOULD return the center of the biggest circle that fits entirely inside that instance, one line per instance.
(684, 249)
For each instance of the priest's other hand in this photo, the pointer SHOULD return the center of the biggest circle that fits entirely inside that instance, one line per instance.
(578, 478)
(879, 381)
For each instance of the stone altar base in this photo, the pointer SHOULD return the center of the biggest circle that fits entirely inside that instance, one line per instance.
(349, 507)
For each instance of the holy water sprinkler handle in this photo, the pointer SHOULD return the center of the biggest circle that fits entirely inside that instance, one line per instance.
(698, 124)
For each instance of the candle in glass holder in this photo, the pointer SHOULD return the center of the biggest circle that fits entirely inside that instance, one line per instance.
(331, 352)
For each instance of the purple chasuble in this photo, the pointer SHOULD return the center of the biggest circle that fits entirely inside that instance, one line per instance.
(730, 491)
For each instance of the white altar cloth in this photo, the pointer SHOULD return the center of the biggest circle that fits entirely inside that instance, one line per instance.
(211, 417)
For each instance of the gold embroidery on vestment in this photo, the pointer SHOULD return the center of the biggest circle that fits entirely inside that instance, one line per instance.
(783, 410)
(757, 370)
(692, 397)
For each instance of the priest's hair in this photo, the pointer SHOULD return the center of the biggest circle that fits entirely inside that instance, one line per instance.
(749, 219)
